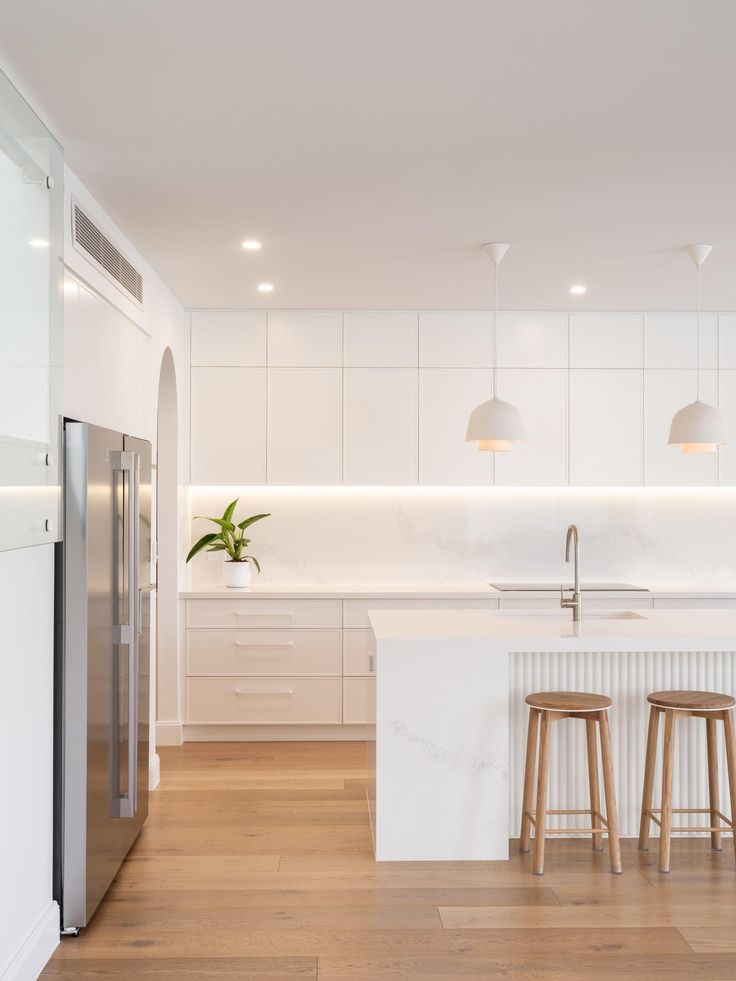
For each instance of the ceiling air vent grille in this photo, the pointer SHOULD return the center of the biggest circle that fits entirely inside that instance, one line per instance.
(89, 239)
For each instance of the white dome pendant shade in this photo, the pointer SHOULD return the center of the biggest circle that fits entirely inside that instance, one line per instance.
(698, 427)
(495, 425)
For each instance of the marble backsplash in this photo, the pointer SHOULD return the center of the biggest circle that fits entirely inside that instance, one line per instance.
(431, 535)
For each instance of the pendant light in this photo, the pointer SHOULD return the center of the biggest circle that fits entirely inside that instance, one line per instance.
(698, 427)
(495, 425)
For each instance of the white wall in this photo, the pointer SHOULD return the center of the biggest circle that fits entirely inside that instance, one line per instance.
(29, 920)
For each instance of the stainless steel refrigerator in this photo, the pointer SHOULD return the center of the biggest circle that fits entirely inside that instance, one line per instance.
(102, 664)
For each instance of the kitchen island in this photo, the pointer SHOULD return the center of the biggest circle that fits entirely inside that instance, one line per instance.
(451, 718)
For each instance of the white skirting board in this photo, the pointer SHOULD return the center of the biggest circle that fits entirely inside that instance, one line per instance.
(627, 679)
(36, 950)
(278, 733)
(169, 734)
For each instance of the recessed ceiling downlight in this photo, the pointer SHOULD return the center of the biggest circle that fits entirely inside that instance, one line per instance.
(578, 289)
(251, 245)
(265, 287)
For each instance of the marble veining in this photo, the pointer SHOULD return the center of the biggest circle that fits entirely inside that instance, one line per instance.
(459, 758)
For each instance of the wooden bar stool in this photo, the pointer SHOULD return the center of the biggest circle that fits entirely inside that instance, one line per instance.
(547, 707)
(713, 707)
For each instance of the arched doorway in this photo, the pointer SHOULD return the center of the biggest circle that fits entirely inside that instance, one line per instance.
(166, 700)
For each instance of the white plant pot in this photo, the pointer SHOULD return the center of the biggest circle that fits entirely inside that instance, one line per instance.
(237, 574)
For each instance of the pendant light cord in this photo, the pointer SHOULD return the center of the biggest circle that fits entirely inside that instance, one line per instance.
(493, 333)
(697, 348)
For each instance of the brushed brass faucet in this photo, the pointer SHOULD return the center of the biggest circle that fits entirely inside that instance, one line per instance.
(574, 602)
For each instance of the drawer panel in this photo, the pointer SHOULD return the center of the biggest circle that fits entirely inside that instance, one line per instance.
(357, 648)
(247, 613)
(264, 700)
(355, 612)
(360, 700)
(263, 652)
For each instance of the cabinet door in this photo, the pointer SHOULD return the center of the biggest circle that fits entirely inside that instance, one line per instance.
(671, 340)
(380, 426)
(380, 339)
(305, 339)
(541, 396)
(606, 340)
(228, 439)
(531, 340)
(229, 339)
(605, 428)
(454, 340)
(447, 396)
(727, 403)
(305, 425)
(664, 393)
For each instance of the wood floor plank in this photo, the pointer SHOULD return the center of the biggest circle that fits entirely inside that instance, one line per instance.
(257, 863)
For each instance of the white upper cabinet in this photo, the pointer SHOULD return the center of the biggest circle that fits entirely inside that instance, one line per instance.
(380, 339)
(305, 339)
(540, 394)
(380, 426)
(671, 340)
(531, 340)
(605, 428)
(727, 405)
(454, 340)
(606, 340)
(228, 338)
(666, 391)
(727, 340)
(304, 425)
(228, 430)
(446, 398)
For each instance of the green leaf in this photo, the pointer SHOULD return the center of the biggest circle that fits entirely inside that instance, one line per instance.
(249, 521)
(230, 510)
(254, 560)
(226, 525)
(218, 547)
(202, 543)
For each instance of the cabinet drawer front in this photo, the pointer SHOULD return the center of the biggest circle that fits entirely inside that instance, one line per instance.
(360, 700)
(356, 611)
(246, 613)
(358, 652)
(263, 652)
(264, 700)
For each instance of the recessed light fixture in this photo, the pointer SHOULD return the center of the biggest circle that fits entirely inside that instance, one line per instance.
(39, 243)
(578, 290)
(251, 245)
(265, 287)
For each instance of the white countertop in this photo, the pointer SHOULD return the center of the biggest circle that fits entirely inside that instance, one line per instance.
(670, 629)
(468, 590)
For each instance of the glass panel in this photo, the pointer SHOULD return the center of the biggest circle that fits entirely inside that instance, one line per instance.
(31, 324)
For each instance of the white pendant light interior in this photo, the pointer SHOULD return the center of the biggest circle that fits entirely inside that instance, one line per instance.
(698, 427)
(495, 425)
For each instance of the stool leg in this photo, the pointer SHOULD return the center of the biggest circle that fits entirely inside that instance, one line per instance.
(611, 814)
(646, 797)
(595, 795)
(731, 761)
(531, 759)
(665, 830)
(713, 795)
(541, 814)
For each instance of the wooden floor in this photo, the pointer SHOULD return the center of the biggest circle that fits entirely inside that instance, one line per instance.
(256, 862)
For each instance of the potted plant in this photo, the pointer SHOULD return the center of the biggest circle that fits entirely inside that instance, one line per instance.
(230, 539)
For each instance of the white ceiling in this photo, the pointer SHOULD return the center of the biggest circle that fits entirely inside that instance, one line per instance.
(374, 146)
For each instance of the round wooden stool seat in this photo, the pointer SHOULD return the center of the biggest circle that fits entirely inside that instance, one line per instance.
(692, 701)
(568, 701)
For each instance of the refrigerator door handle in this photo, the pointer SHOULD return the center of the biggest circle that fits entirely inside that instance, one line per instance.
(124, 799)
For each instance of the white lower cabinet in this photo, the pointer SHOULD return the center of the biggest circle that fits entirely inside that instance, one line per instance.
(264, 700)
(264, 652)
(359, 700)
